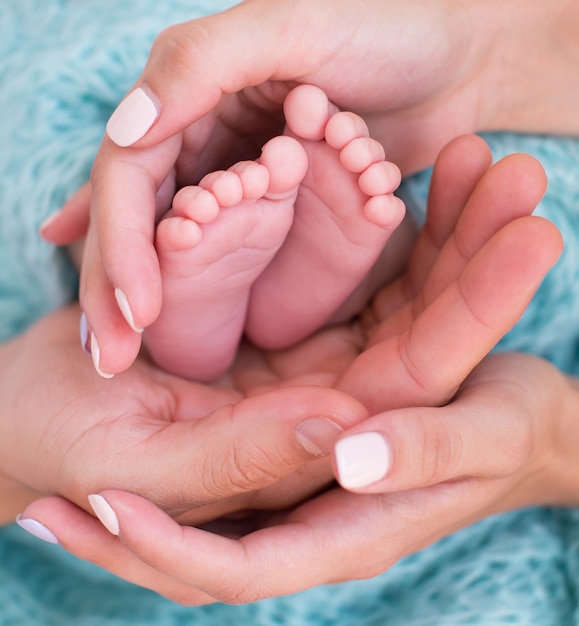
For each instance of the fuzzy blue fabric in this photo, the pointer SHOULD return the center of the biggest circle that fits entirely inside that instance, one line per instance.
(64, 64)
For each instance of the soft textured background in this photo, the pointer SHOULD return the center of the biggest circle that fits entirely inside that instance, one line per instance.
(63, 67)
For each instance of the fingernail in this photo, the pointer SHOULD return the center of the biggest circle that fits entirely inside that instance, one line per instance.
(104, 511)
(36, 528)
(362, 459)
(96, 356)
(84, 335)
(133, 117)
(317, 435)
(48, 221)
(125, 308)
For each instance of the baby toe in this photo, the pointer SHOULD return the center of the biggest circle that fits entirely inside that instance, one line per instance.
(196, 203)
(360, 153)
(307, 111)
(225, 186)
(254, 178)
(382, 177)
(386, 211)
(176, 234)
(344, 127)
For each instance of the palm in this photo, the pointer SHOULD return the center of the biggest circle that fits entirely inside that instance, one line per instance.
(101, 430)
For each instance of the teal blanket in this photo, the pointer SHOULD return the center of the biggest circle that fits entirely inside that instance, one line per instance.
(64, 64)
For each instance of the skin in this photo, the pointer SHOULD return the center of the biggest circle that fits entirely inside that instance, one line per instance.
(149, 431)
(486, 65)
(297, 212)
(529, 459)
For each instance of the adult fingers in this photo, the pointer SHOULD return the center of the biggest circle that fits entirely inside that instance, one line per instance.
(511, 189)
(107, 336)
(458, 169)
(425, 364)
(492, 429)
(189, 69)
(79, 532)
(335, 537)
(120, 262)
(236, 449)
(70, 223)
(469, 202)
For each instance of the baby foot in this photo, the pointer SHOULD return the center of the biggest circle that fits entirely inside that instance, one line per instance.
(217, 239)
(345, 213)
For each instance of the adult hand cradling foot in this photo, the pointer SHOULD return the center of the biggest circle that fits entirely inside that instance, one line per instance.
(333, 459)
(452, 272)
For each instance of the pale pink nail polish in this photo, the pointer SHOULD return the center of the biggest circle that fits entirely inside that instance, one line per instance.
(48, 221)
(36, 529)
(126, 310)
(96, 356)
(133, 117)
(104, 511)
(84, 334)
(362, 459)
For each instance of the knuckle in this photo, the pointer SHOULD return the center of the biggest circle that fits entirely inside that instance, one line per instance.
(444, 451)
(431, 385)
(243, 590)
(245, 594)
(253, 467)
(181, 47)
(245, 469)
(519, 440)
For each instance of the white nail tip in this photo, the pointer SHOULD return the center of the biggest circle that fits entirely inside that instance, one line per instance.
(48, 221)
(83, 331)
(104, 511)
(96, 356)
(125, 308)
(362, 459)
(36, 529)
(132, 118)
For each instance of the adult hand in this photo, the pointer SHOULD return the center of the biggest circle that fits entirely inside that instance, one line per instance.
(509, 439)
(213, 105)
(480, 66)
(322, 539)
(65, 430)
(467, 282)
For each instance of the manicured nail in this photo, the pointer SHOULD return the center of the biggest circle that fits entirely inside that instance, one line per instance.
(362, 459)
(36, 528)
(84, 334)
(104, 511)
(317, 435)
(96, 356)
(125, 308)
(133, 117)
(48, 221)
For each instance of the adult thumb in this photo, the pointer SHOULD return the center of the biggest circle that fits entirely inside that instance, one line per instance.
(239, 448)
(193, 64)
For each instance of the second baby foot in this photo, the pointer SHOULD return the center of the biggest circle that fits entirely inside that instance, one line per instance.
(215, 242)
(345, 213)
